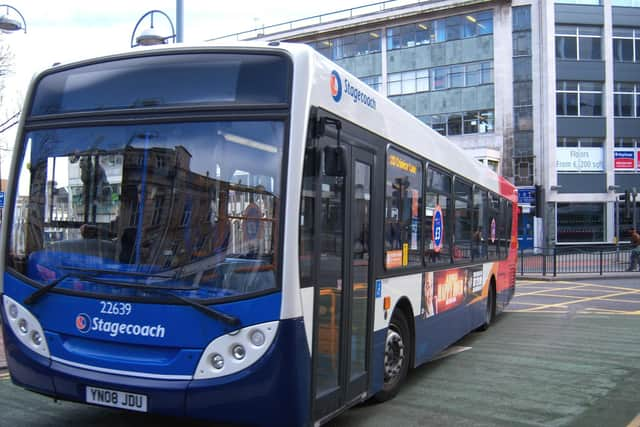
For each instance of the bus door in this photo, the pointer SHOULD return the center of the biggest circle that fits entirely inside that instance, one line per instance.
(343, 294)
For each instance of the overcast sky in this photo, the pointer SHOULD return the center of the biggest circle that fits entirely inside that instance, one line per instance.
(61, 30)
(64, 30)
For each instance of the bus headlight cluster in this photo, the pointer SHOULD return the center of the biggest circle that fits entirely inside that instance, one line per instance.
(235, 351)
(25, 326)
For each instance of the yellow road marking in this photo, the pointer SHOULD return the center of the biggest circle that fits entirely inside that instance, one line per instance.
(537, 312)
(606, 310)
(550, 290)
(561, 296)
(629, 292)
(531, 283)
(618, 288)
(623, 300)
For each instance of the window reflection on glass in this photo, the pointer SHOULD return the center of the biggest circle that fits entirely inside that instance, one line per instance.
(402, 209)
(190, 204)
(438, 228)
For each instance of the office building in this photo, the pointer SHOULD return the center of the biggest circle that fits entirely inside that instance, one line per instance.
(545, 92)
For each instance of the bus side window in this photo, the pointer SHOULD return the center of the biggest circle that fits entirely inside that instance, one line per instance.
(402, 210)
(438, 225)
(463, 232)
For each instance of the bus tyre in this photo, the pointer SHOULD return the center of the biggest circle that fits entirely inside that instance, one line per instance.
(397, 354)
(490, 311)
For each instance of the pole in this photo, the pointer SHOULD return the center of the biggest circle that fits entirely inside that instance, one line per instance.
(616, 222)
(179, 21)
(634, 194)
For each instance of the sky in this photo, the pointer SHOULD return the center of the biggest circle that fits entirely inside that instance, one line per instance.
(65, 30)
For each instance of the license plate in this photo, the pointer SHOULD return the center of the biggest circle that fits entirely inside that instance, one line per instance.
(116, 399)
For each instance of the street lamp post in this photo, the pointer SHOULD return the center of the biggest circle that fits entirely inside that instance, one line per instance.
(151, 36)
(9, 24)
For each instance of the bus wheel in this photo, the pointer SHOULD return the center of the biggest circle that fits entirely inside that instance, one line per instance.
(490, 312)
(397, 354)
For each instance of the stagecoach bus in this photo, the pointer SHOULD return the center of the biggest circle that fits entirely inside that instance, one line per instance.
(244, 233)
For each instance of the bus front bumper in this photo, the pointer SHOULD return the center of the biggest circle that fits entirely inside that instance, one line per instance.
(273, 391)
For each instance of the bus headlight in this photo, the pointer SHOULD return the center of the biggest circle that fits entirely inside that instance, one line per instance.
(13, 311)
(239, 352)
(36, 338)
(25, 326)
(235, 351)
(257, 338)
(217, 361)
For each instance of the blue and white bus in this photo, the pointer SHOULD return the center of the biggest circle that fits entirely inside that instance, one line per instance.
(244, 233)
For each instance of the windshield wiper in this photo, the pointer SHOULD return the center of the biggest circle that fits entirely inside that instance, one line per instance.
(209, 311)
(43, 290)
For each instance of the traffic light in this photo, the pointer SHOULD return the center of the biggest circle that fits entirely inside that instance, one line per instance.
(539, 205)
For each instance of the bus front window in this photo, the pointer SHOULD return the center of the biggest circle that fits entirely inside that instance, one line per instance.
(192, 206)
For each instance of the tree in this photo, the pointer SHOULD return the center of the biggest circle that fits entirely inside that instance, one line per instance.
(6, 64)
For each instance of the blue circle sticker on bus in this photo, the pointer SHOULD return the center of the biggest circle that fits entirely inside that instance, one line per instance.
(336, 86)
(437, 228)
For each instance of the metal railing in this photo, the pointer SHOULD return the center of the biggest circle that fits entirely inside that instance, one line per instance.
(318, 19)
(558, 260)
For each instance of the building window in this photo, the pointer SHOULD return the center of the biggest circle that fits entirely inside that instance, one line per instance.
(186, 214)
(440, 30)
(627, 3)
(454, 124)
(580, 222)
(522, 43)
(440, 78)
(626, 99)
(626, 44)
(578, 155)
(521, 18)
(156, 218)
(589, 2)
(408, 82)
(478, 24)
(374, 82)
(323, 46)
(523, 118)
(349, 46)
(578, 43)
(579, 98)
(493, 165)
(468, 122)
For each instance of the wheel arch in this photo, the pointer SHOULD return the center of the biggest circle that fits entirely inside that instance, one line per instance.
(404, 306)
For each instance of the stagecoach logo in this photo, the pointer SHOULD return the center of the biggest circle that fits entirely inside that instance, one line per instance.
(358, 96)
(83, 323)
(336, 86)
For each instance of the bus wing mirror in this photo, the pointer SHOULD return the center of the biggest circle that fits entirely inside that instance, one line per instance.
(335, 161)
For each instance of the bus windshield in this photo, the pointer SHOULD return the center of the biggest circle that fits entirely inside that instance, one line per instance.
(190, 207)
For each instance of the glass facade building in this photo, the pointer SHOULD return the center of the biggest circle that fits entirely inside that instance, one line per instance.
(486, 74)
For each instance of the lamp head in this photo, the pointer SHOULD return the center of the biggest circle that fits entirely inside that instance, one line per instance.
(9, 25)
(150, 37)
